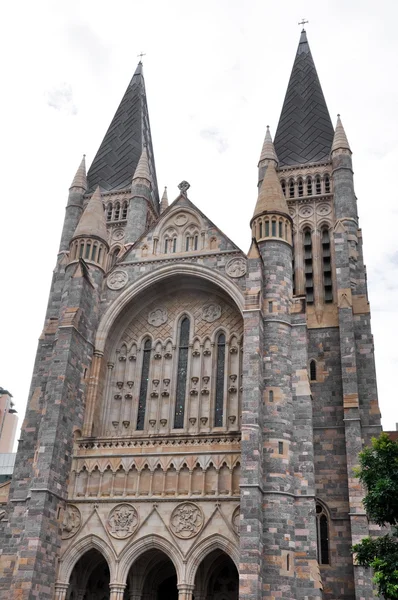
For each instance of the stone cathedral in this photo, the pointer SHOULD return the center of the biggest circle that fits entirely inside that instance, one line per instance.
(195, 412)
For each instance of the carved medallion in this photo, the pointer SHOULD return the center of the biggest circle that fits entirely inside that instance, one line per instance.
(117, 280)
(180, 219)
(211, 312)
(186, 520)
(323, 209)
(122, 521)
(71, 522)
(306, 211)
(157, 317)
(118, 234)
(236, 519)
(236, 267)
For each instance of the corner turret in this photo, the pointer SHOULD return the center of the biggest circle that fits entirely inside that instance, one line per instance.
(164, 203)
(140, 201)
(74, 207)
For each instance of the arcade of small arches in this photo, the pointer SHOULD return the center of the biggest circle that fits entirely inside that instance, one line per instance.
(272, 227)
(117, 211)
(300, 187)
(151, 569)
(90, 249)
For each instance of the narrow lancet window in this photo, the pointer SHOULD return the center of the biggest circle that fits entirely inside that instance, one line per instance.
(182, 369)
(309, 279)
(327, 184)
(124, 211)
(327, 267)
(219, 403)
(291, 188)
(146, 359)
(313, 370)
(322, 535)
(283, 184)
(309, 186)
(318, 185)
(300, 187)
(117, 211)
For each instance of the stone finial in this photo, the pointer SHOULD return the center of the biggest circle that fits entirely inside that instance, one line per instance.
(164, 203)
(80, 179)
(92, 221)
(184, 187)
(142, 170)
(270, 197)
(340, 141)
(268, 150)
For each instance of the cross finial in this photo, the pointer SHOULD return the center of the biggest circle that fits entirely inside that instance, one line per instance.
(303, 22)
(141, 54)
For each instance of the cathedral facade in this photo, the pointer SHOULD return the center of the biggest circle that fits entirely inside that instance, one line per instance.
(195, 412)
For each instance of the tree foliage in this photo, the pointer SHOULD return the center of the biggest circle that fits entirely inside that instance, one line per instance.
(378, 472)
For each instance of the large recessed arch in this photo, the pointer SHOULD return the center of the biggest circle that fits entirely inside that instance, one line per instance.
(199, 552)
(163, 273)
(75, 552)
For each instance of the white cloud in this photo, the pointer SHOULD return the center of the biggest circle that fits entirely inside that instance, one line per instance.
(61, 98)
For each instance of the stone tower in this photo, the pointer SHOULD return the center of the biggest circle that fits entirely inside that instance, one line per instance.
(195, 413)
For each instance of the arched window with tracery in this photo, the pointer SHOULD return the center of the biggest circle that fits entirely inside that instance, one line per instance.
(326, 266)
(220, 371)
(146, 360)
(322, 526)
(182, 369)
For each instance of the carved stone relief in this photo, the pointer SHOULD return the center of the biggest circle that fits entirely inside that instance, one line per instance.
(236, 519)
(71, 522)
(211, 312)
(118, 234)
(180, 219)
(122, 521)
(306, 211)
(236, 267)
(157, 317)
(186, 520)
(117, 280)
(323, 209)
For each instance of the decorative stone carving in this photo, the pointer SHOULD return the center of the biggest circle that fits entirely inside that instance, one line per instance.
(186, 520)
(236, 519)
(306, 211)
(71, 522)
(180, 219)
(236, 267)
(122, 521)
(118, 234)
(157, 317)
(117, 280)
(323, 209)
(184, 187)
(211, 312)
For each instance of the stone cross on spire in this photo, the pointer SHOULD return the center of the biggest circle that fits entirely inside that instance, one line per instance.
(303, 22)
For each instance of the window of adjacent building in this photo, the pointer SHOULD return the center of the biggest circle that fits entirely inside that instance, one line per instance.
(322, 535)
(182, 374)
(146, 359)
(308, 267)
(326, 266)
(220, 370)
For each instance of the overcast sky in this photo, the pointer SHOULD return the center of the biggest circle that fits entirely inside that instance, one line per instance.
(216, 73)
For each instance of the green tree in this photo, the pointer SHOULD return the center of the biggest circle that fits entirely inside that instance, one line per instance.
(378, 472)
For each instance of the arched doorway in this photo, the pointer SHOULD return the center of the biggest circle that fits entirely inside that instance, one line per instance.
(152, 577)
(217, 578)
(89, 579)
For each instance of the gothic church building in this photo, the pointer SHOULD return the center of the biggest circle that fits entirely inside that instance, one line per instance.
(196, 412)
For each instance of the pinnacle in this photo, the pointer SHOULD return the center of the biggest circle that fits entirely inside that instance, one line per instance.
(92, 221)
(142, 170)
(164, 203)
(340, 141)
(271, 197)
(80, 179)
(268, 149)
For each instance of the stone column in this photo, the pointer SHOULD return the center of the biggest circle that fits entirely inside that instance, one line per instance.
(185, 591)
(116, 591)
(60, 591)
(92, 393)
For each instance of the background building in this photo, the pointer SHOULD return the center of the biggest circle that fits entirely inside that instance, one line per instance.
(8, 422)
(196, 413)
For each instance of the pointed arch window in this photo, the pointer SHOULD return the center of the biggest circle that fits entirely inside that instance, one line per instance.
(109, 210)
(291, 188)
(182, 369)
(326, 266)
(195, 242)
(117, 211)
(313, 370)
(309, 278)
(283, 184)
(309, 186)
(318, 185)
(266, 228)
(300, 187)
(280, 229)
(94, 253)
(220, 372)
(273, 228)
(174, 244)
(322, 526)
(124, 210)
(327, 184)
(260, 229)
(144, 385)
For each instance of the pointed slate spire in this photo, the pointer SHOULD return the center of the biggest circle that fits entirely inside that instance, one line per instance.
(80, 179)
(120, 151)
(164, 203)
(92, 222)
(268, 149)
(340, 141)
(271, 198)
(305, 131)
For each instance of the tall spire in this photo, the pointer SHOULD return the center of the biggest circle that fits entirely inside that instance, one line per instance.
(305, 131)
(92, 221)
(271, 198)
(118, 156)
(340, 141)
(268, 149)
(164, 203)
(80, 179)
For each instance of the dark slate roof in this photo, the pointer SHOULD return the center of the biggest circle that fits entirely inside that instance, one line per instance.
(305, 131)
(116, 160)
